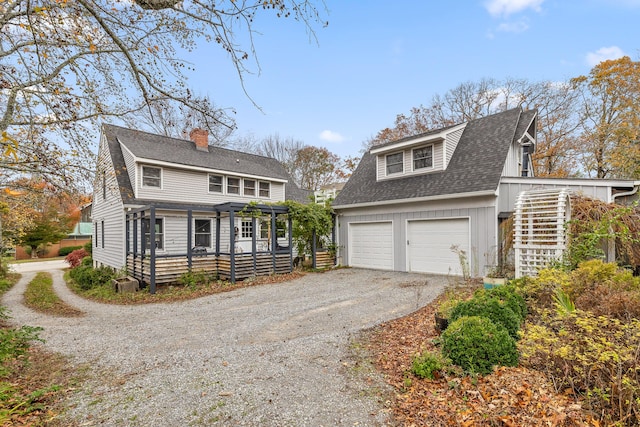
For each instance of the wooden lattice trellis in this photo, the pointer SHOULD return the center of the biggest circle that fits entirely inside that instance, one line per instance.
(540, 233)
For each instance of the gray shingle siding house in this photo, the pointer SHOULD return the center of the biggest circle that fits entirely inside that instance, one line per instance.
(137, 169)
(411, 201)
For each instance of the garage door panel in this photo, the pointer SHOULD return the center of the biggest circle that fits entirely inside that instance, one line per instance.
(371, 245)
(430, 242)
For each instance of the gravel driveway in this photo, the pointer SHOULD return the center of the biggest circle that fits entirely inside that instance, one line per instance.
(271, 355)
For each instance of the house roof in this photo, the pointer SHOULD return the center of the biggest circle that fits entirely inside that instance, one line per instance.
(152, 147)
(476, 165)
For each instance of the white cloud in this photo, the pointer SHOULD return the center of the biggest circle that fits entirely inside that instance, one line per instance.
(331, 136)
(604, 53)
(505, 8)
(513, 27)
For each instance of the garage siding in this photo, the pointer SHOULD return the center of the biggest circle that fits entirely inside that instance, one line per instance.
(482, 236)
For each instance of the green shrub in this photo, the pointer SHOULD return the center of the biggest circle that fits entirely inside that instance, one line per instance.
(491, 308)
(508, 295)
(14, 342)
(477, 345)
(88, 277)
(67, 250)
(427, 364)
(87, 261)
(594, 356)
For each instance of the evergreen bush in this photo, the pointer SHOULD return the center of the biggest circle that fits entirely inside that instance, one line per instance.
(491, 308)
(476, 344)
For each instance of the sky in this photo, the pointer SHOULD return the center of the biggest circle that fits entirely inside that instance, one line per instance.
(378, 58)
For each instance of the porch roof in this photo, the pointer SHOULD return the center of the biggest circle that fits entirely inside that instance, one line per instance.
(221, 207)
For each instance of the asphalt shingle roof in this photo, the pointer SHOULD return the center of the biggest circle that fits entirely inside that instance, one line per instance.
(183, 152)
(476, 165)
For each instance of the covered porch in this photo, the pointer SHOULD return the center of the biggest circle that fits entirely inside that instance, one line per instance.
(232, 241)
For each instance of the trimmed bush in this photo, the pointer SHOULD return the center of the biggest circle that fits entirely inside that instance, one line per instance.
(476, 344)
(88, 277)
(67, 250)
(491, 308)
(508, 295)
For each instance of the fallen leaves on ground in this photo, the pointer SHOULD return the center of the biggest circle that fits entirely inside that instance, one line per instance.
(507, 397)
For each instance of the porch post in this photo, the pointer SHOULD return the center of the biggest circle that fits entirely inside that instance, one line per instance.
(143, 245)
(289, 225)
(232, 246)
(313, 249)
(152, 244)
(189, 233)
(274, 240)
(253, 244)
(218, 244)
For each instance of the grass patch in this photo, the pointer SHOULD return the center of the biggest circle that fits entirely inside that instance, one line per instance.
(41, 297)
(32, 381)
(169, 293)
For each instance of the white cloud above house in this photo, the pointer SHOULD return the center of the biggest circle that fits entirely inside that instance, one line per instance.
(331, 136)
(504, 8)
(602, 54)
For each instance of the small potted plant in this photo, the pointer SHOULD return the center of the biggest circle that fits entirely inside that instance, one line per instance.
(495, 277)
(443, 312)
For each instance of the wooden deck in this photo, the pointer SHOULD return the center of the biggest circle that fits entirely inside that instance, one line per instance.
(169, 270)
(324, 260)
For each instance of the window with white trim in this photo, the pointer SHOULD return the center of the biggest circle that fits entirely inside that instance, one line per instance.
(395, 163)
(265, 189)
(246, 228)
(158, 230)
(102, 234)
(203, 232)
(233, 185)
(423, 157)
(215, 183)
(151, 177)
(249, 187)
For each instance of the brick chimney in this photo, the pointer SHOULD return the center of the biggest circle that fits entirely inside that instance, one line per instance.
(201, 138)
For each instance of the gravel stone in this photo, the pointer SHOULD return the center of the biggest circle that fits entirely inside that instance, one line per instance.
(269, 355)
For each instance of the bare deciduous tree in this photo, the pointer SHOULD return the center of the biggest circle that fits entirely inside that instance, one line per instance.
(64, 65)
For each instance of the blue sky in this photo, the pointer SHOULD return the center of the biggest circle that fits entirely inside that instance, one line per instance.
(377, 59)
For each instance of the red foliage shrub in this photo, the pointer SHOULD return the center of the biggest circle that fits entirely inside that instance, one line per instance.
(74, 259)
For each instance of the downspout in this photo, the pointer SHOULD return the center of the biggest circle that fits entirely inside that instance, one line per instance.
(626, 193)
(611, 244)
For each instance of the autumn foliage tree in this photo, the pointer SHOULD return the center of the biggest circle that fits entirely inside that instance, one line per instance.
(315, 167)
(611, 111)
(37, 213)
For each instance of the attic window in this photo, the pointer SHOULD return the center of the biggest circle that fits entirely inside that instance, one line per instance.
(395, 163)
(423, 157)
(151, 177)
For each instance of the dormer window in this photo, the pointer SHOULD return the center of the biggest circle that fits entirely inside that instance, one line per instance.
(423, 157)
(395, 163)
(151, 177)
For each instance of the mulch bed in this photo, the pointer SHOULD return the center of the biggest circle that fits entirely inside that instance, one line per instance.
(507, 397)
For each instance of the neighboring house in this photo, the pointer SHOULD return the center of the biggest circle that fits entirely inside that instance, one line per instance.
(433, 202)
(182, 187)
(328, 192)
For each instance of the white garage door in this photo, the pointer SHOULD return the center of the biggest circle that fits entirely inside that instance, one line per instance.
(429, 245)
(371, 245)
